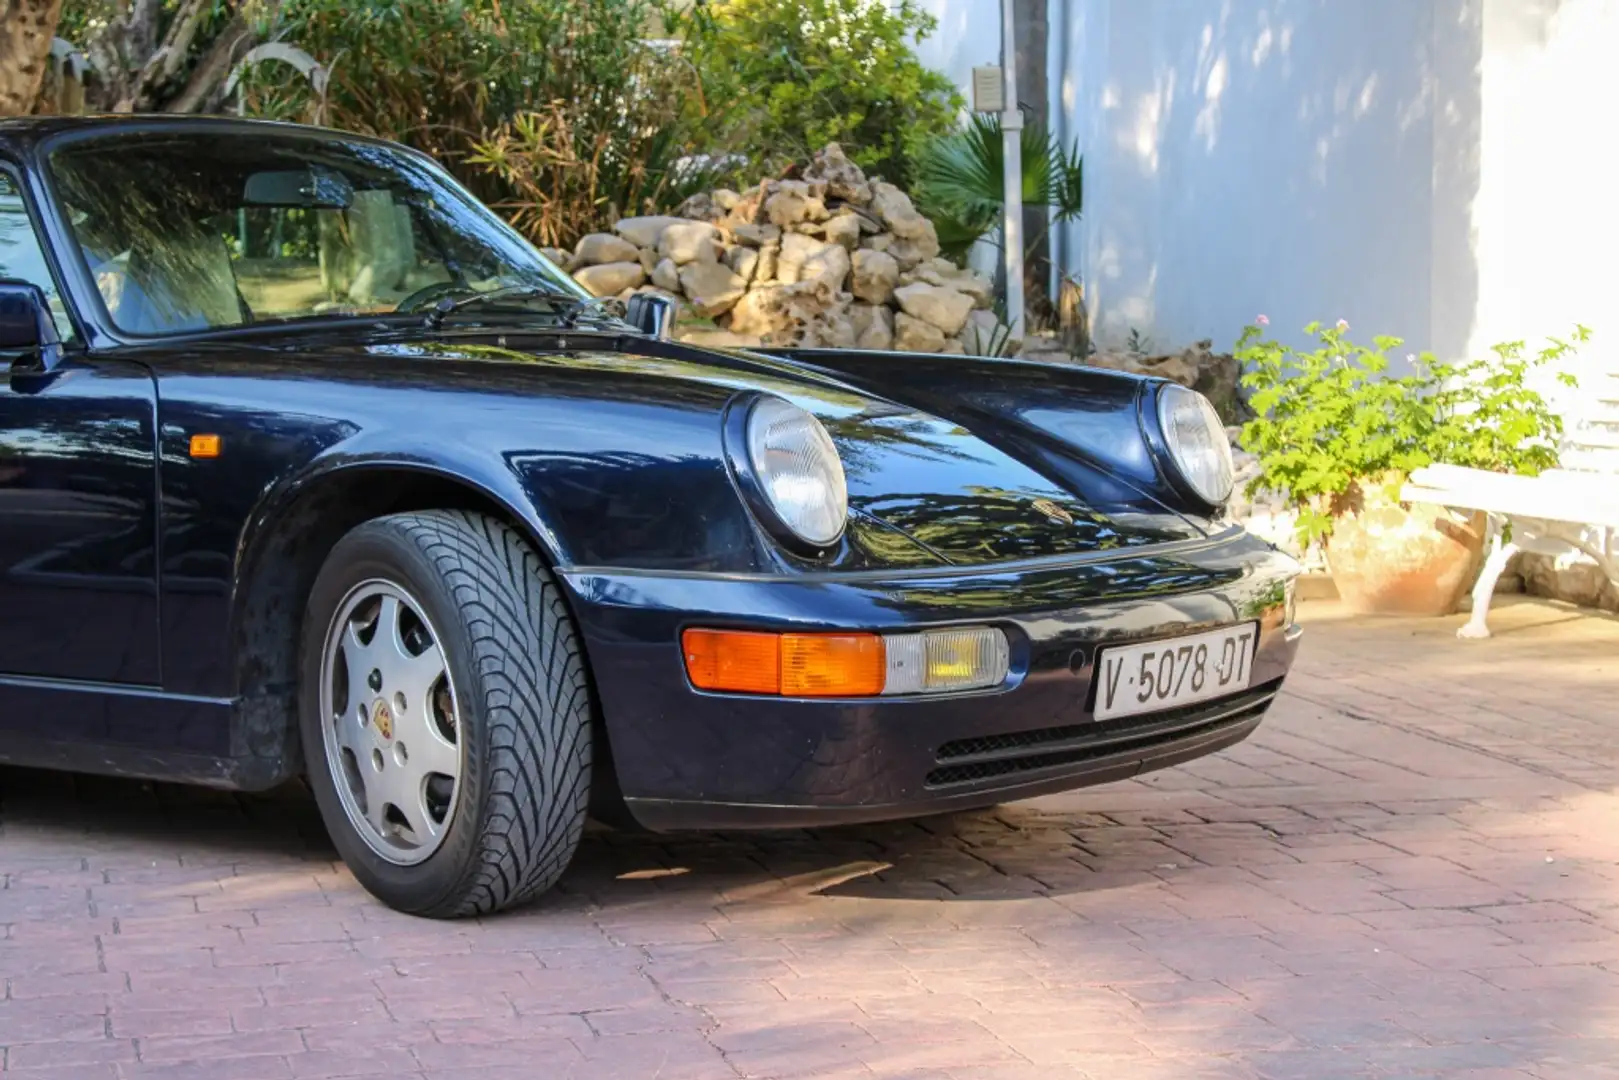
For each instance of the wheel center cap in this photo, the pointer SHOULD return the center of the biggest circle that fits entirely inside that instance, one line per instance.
(383, 717)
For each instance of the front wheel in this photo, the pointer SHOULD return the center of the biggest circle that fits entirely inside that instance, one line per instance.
(445, 713)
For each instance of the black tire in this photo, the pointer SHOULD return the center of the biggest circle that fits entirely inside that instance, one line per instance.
(524, 704)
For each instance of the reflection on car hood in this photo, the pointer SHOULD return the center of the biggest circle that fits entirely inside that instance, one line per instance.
(987, 471)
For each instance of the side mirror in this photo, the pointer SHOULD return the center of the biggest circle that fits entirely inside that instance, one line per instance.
(26, 326)
(652, 315)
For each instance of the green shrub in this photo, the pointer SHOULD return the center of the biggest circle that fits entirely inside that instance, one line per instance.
(782, 78)
(1332, 419)
(556, 110)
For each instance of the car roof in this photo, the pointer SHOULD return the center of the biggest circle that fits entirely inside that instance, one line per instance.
(22, 134)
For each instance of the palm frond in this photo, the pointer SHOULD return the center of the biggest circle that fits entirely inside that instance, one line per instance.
(960, 181)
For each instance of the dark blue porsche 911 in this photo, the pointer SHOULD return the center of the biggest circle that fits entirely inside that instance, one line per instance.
(311, 467)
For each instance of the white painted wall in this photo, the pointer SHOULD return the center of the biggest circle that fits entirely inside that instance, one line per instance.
(968, 36)
(1439, 170)
(1253, 156)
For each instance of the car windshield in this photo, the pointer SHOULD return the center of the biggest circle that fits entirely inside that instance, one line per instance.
(187, 232)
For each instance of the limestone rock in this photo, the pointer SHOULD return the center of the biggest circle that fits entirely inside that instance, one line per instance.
(831, 331)
(726, 199)
(689, 241)
(711, 287)
(830, 263)
(610, 279)
(598, 248)
(756, 235)
(915, 335)
(880, 242)
(760, 312)
(1214, 375)
(844, 230)
(747, 211)
(875, 273)
(1572, 578)
(954, 347)
(793, 201)
(842, 177)
(894, 207)
(666, 275)
(556, 255)
(769, 256)
(779, 314)
(742, 261)
(911, 253)
(803, 257)
(873, 326)
(648, 258)
(937, 271)
(709, 338)
(944, 307)
(644, 231)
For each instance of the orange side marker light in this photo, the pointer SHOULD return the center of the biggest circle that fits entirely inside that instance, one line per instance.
(793, 665)
(733, 660)
(205, 446)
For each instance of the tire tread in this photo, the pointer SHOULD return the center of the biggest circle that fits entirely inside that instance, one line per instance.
(532, 691)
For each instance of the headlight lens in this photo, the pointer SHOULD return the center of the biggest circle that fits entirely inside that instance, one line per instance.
(1197, 442)
(798, 470)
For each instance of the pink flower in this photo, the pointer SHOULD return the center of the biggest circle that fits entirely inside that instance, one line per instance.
(1342, 325)
(1263, 320)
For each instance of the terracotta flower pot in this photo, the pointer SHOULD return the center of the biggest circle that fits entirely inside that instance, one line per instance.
(1389, 558)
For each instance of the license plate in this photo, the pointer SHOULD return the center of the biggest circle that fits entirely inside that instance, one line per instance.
(1175, 671)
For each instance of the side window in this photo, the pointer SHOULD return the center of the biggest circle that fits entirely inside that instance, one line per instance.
(21, 258)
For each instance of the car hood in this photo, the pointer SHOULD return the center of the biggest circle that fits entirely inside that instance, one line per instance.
(973, 461)
(972, 475)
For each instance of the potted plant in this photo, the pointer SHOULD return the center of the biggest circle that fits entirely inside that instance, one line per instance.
(1336, 434)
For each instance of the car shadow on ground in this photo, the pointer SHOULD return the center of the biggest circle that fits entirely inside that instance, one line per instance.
(1001, 853)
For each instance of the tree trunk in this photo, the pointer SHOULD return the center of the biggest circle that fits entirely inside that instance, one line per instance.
(26, 30)
(1030, 30)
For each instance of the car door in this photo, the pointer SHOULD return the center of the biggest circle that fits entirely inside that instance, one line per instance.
(78, 483)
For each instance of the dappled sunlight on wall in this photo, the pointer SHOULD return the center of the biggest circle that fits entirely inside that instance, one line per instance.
(1250, 156)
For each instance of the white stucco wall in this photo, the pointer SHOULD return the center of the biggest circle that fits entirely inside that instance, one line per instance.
(1433, 169)
(969, 35)
(1249, 156)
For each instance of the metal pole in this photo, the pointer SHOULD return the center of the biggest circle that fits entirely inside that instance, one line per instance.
(1011, 143)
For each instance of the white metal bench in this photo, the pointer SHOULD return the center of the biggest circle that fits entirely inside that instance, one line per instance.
(1574, 509)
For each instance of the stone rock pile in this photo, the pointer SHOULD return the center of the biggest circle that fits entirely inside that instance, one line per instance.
(830, 259)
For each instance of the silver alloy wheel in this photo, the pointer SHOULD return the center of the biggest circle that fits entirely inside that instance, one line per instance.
(391, 724)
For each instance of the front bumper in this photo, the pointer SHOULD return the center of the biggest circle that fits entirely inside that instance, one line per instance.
(685, 759)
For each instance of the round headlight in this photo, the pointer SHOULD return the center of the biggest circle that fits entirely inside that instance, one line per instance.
(1197, 442)
(798, 470)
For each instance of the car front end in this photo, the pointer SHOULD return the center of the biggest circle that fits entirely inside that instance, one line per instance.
(1053, 623)
(688, 757)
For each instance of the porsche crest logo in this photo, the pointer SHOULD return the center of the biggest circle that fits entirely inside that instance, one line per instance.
(384, 719)
(1053, 511)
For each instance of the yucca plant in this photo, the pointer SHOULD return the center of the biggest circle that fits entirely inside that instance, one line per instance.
(960, 187)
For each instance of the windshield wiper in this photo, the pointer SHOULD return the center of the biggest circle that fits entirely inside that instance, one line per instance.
(569, 316)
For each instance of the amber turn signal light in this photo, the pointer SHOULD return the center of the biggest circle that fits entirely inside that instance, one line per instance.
(796, 665)
(846, 664)
(204, 446)
(832, 665)
(733, 660)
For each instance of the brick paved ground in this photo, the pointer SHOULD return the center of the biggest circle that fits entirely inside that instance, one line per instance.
(1412, 871)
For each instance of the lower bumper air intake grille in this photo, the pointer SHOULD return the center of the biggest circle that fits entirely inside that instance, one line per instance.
(964, 761)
